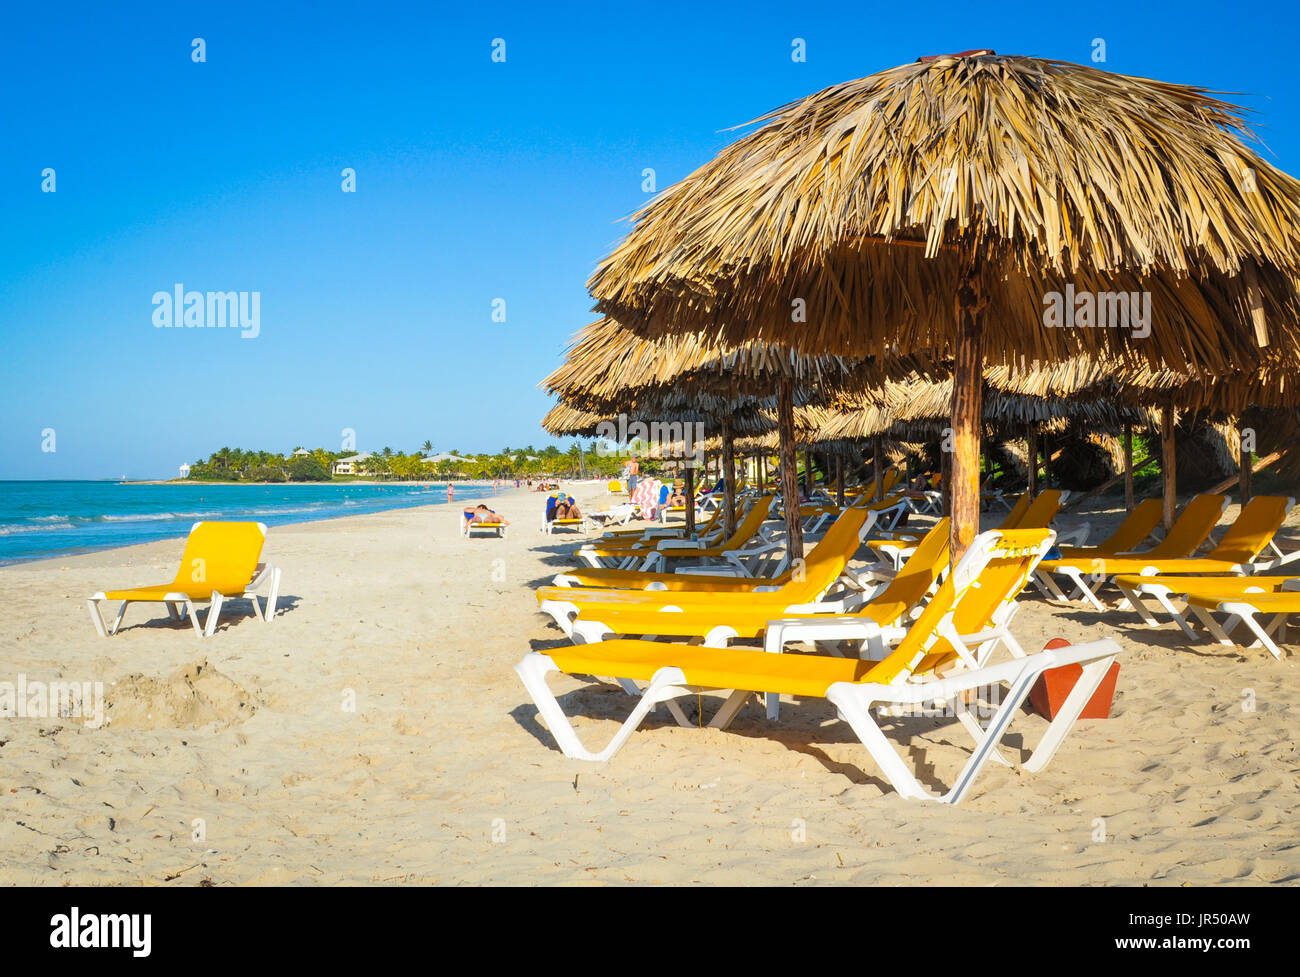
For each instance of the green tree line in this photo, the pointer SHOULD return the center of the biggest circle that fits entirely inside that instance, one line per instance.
(389, 464)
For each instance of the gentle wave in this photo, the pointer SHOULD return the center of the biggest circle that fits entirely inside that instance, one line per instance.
(9, 529)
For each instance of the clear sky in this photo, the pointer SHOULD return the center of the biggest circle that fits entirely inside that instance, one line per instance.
(475, 181)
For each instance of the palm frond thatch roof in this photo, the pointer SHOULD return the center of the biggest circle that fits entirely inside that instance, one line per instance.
(609, 367)
(857, 202)
(920, 407)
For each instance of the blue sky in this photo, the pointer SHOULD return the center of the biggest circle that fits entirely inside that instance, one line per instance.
(475, 181)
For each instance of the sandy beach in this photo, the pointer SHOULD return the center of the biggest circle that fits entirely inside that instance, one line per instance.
(240, 759)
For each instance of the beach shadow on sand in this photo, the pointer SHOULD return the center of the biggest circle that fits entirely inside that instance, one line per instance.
(816, 729)
(234, 613)
(1167, 635)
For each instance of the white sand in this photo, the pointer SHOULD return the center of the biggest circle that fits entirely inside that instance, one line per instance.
(247, 732)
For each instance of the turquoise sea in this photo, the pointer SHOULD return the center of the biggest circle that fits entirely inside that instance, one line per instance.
(42, 519)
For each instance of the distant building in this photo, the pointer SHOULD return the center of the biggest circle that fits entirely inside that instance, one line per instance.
(185, 471)
(300, 453)
(443, 456)
(351, 465)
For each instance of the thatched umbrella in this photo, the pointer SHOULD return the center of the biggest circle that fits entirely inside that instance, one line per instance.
(611, 368)
(957, 205)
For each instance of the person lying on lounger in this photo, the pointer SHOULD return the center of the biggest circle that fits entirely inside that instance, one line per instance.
(678, 498)
(481, 513)
(566, 508)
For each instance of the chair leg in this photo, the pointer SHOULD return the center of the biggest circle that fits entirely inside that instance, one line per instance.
(273, 598)
(993, 734)
(1262, 635)
(1090, 593)
(117, 622)
(214, 612)
(1135, 601)
(1059, 728)
(1176, 613)
(93, 606)
(534, 668)
(194, 617)
(722, 719)
(856, 711)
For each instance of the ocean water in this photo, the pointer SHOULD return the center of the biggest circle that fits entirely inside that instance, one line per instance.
(43, 519)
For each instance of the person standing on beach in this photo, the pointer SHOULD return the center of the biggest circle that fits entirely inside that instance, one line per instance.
(450, 492)
(633, 469)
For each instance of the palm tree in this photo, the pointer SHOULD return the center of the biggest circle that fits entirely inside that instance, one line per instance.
(427, 447)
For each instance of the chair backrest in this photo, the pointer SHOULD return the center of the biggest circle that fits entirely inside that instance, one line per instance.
(827, 560)
(1041, 511)
(889, 481)
(713, 520)
(1251, 531)
(1012, 519)
(991, 573)
(1137, 526)
(749, 525)
(1190, 528)
(918, 574)
(550, 507)
(220, 556)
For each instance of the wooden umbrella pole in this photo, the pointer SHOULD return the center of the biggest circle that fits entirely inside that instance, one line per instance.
(1167, 464)
(1032, 451)
(875, 462)
(728, 479)
(1128, 467)
(789, 471)
(967, 409)
(1245, 462)
(807, 473)
(759, 475)
(945, 481)
(690, 499)
(839, 480)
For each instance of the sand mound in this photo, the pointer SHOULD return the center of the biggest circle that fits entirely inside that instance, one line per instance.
(192, 696)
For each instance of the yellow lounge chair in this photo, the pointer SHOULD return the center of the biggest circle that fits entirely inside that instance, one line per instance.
(656, 552)
(219, 563)
(873, 621)
(1136, 527)
(1025, 514)
(630, 537)
(552, 526)
(891, 509)
(906, 677)
(1219, 587)
(909, 536)
(820, 570)
(734, 576)
(468, 527)
(1131, 533)
(1188, 532)
(1236, 554)
(646, 537)
(1281, 599)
